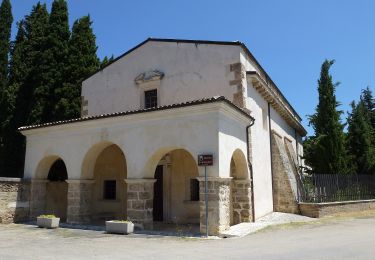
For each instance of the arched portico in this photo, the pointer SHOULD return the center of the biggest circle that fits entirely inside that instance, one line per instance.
(100, 193)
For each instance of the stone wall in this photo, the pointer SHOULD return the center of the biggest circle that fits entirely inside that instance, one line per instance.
(241, 201)
(318, 210)
(285, 190)
(14, 200)
(218, 205)
(140, 195)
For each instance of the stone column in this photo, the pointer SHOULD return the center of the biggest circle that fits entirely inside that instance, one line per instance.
(79, 201)
(241, 199)
(140, 200)
(218, 204)
(37, 197)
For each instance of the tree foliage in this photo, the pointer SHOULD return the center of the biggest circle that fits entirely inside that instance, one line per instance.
(46, 68)
(360, 139)
(325, 152)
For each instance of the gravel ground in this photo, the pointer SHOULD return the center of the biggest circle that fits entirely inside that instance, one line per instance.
(325, 239)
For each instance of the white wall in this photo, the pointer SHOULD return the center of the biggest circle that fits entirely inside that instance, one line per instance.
(192, 71)
(144, 139)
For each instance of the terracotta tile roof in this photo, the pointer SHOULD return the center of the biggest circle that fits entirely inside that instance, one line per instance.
(132, 112)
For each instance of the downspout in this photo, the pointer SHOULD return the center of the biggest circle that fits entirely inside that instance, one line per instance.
(250, 169)
(271, 160)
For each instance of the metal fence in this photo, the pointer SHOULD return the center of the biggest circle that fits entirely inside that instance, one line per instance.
(336, 187)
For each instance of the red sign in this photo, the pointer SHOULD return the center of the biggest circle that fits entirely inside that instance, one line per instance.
(205, 160)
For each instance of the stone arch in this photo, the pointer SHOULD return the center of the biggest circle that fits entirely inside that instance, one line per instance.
(238, 167)
(240, 206)
(105, 164)
(152, 162)
(44, 166)
(53, 191)
(88, 163)
(176, 190)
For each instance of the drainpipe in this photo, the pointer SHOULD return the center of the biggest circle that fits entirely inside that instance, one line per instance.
(250, 169)
(271, 160)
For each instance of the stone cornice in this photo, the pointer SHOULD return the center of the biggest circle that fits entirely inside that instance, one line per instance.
(276, 100)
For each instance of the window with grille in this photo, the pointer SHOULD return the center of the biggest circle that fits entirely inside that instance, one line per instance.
(109, 192)
(194, 190)
(151, 98)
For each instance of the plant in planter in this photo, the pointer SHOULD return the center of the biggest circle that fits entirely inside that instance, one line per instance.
(119, 226)
(48, 221)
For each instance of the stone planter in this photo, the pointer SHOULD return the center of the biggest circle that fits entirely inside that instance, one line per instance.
(47, 222)
(118, 227)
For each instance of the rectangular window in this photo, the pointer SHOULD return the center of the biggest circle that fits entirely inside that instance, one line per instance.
(194, 190)
(109, 190)
(151, 98)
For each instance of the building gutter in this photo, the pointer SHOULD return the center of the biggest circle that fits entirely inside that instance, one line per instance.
(250, 169)
(271, 160)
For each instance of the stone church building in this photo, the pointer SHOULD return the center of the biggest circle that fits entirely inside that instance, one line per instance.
(145, 118)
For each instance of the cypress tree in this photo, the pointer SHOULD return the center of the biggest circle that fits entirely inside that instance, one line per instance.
(360, 137)
(82, 62)
(6, 20)
(369, 103)
(325, 151)
(25, 73)
(53, 63)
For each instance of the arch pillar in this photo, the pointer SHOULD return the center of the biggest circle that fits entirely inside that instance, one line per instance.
(242, 206)
(79, 201)
(140, 195)
(218, 204)
(38, 192)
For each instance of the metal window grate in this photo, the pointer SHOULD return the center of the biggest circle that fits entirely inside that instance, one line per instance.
(109, 190)
(151, 98)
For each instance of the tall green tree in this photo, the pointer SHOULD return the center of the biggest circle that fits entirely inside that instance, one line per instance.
(54, 57)
(325, 152)
(6, 20)
(25, 66)
(82, 61)
(360, 139)
(369, 103)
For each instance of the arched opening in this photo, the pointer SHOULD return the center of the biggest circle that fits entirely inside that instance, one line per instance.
(57, 190)
(176, 190)
(240, 200)
(109, 172)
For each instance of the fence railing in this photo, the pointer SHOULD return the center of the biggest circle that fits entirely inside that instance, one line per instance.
(336, 187)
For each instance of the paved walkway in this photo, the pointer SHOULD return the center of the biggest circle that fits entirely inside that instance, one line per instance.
(326, 239)
(275, 218)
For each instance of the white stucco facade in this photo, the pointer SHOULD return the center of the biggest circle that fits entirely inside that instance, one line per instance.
(189, 74)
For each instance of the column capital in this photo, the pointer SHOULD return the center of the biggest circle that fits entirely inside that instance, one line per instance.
(39, 180)
(140, 180)
(80, 181)
(242, 180)
(214, 178)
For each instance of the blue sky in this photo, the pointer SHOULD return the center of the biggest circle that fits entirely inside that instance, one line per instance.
(290, 38)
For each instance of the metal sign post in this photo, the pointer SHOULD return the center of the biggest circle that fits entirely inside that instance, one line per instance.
(205, 160)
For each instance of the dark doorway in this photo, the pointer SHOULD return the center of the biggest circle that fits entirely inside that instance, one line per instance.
(158, 194)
